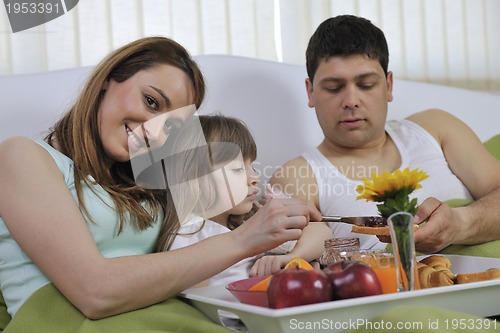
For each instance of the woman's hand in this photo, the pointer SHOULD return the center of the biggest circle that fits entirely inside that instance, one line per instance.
(280, 220)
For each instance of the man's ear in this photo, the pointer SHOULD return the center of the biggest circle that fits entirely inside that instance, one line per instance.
(309, 89)
(389, 86)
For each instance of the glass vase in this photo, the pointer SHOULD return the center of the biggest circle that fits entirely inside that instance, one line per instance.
(401, 228)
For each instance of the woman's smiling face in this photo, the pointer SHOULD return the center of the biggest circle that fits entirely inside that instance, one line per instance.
(128, 108)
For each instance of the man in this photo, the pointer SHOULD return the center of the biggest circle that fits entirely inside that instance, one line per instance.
(349, 86)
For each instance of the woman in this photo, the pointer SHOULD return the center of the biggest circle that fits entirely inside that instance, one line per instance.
(72, 215)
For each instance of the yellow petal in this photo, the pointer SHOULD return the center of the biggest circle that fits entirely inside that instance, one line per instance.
(387, 182)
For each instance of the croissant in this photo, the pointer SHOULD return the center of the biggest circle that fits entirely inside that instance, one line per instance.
(430, 277)
(434, 271)
(440, 264)
(435, 260)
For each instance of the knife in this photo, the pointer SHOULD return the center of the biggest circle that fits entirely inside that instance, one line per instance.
(368, 221)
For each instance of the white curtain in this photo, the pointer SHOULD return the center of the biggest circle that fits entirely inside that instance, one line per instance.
(451, 42)
(93, 28)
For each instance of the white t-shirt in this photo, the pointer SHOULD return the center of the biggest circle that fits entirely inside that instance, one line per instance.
(198, 229)
(417, 148)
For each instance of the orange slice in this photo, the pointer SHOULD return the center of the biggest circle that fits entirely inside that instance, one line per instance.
(262, 285)
(300, 263)
(294, 262)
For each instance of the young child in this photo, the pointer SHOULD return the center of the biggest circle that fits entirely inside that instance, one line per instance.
(214, 189)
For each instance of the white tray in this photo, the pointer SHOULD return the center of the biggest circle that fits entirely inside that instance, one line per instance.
(479, 298)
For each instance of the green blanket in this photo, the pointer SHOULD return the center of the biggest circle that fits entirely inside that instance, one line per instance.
(48, 311)
(493, 146)
(489, 250)
(4, 315)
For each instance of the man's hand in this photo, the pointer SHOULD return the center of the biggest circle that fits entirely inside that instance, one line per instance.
(443, 226)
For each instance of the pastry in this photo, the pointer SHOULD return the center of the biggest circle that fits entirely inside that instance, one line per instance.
(434, 271)
(440, 264)
(478, 276)
(435, 260)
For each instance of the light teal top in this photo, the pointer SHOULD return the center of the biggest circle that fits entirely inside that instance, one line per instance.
(20, 278)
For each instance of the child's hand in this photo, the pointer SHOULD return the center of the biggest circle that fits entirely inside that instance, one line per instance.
(268, 265)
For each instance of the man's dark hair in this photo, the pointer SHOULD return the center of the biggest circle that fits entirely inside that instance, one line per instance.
(346, 35)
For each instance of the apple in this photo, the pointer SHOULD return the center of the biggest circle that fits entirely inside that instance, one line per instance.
(351, 279)
(296, 286)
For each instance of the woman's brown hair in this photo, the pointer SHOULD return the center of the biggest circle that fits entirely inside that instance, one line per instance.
(77, 132)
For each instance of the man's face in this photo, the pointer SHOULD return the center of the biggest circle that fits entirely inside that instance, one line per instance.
(350, 95)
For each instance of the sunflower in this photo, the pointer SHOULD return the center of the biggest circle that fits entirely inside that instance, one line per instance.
(393, 190)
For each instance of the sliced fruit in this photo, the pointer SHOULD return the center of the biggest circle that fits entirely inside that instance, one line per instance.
(300, 263)
(294, 262)
(262, 285)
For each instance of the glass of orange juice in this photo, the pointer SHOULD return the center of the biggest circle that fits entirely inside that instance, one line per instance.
(382, 263)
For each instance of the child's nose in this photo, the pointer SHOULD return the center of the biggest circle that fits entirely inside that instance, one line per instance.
(253, 178)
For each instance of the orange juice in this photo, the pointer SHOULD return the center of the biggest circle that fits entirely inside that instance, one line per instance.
(387, 277)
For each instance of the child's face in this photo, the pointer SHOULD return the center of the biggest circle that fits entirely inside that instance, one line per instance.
(236, 187)
(244, 178)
